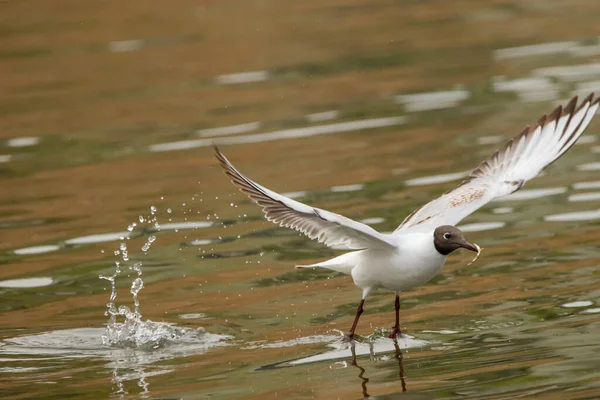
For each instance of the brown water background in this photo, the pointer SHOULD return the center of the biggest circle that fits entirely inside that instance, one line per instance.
(365, 108)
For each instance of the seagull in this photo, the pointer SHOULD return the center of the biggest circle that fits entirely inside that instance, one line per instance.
(417, 250)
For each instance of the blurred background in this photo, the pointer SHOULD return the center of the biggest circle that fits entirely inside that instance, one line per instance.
(368, 108)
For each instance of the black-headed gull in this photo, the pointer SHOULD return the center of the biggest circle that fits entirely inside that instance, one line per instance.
(416, 251)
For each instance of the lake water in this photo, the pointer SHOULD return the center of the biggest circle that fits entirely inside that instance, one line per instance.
(365, 108)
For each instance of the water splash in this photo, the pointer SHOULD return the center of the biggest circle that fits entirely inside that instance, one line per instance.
(127, 362)
(125, 328)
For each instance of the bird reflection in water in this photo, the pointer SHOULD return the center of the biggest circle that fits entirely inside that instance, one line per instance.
(378, 350)
(364, 380)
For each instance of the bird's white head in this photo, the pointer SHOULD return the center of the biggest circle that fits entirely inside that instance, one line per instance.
(447, 238)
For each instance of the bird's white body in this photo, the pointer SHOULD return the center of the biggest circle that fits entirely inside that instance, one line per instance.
(412, 262)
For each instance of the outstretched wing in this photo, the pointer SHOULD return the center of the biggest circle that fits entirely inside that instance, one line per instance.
(507, 170)
(327, 227)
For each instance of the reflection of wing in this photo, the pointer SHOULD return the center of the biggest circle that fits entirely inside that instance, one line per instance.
(329, 228)
(508, 169)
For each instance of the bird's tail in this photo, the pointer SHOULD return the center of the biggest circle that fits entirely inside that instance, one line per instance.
(344, 263)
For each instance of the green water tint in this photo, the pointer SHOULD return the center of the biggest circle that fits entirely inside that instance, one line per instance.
(84, 115)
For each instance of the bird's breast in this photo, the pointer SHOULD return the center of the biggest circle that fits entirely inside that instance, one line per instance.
(397, 271)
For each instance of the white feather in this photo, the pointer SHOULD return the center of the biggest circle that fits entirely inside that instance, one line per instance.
(507, 170)
(327, 227)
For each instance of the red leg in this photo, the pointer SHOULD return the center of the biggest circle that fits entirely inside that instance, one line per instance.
(396, 329)
(359, 311)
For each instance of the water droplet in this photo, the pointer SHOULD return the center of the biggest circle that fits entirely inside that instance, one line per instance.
(169, 210)
(153, 210)
(148, 243)
(141, 219)
(136, 286)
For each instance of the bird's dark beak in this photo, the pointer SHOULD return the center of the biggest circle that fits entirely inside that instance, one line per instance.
(469, 246)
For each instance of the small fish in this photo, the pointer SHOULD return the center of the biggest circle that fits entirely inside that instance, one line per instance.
(478, 254)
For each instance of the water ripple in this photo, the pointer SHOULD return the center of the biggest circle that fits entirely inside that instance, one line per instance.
(36, 250)
(347, 188)
(594, 166)
(23, 142)
(87, 342)
(535, 50)
(585, 196)
(122, 46)
(185, 225)
(571, 72)
(527, 194)
(323, 116)
(577, 304)
(229, 130)
(242, 77)
(502, 210)
(574, 216)
(528, 89)
(481, 226)
(342, 350)
(586, 185)
(294, 133)
(433, 100)
(26, 283)
(99, 238)
(371, 221)
(430, 180)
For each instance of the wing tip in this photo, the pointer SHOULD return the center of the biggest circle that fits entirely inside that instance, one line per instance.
(569, 110)
(228, 168)
(219, 155)
(542, 121)
(237, 178)
(570, 107)
(586, 100)
(487, 166)
(556, 113)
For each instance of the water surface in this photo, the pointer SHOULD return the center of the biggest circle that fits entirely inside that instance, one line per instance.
(364, 108)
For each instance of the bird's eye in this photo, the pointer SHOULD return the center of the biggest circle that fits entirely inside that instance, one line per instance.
(447, 235)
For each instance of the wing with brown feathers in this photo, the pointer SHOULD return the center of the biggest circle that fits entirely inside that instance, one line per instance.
(327, 227)
(507, 170)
